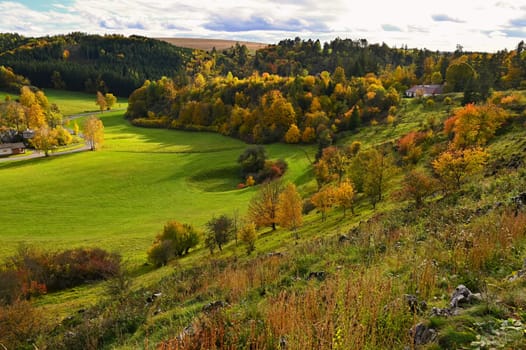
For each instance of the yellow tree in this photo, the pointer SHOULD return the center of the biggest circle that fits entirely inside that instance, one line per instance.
(94, 132)
(110, 100)
(45, 139)
(293, 135)
(324, 200)
(289, 209)
(263, 207)
(101, 101)
(345, 196)
(454, 166)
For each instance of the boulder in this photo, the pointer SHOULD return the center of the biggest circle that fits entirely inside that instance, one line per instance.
(422, 334)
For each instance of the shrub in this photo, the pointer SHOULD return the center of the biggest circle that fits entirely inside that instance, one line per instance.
(175, 240)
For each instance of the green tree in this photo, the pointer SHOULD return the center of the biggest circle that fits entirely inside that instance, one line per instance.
(248, 235)
(220, 231)
(252, 160)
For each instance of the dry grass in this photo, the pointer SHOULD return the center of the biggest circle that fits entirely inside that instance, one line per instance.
(209, 44)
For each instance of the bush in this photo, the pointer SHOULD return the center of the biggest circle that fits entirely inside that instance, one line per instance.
(20, 325)
(37, 271)
(175, 240)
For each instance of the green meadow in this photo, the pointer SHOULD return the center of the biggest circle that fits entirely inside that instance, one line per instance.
(118, 198)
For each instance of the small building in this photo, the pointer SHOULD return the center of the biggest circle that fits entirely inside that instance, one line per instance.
(28, 134)
(424, 90)
(7, 149)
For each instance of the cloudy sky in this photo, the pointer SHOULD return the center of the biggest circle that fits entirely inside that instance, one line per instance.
(477, 25)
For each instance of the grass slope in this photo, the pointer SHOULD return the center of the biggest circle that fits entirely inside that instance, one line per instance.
(209, 44)
(120, 197)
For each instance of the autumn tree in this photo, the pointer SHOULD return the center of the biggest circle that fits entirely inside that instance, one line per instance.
(293, 135)
(370, 171)
(101, 101)
(475, 125)
(176, 239)
(248, 235)
(93, 132)
(417, 185)
(44, 139)
(345, 196)
(110, 100)
(263, 207)
(324, 200)
(289, 208)
(220, 230)
(454, 166)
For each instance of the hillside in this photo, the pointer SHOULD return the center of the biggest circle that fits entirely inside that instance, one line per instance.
(89, 63)
(209, 44)
(359, 280)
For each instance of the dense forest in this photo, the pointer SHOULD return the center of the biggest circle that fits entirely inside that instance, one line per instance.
(82, 62)
(298, 91)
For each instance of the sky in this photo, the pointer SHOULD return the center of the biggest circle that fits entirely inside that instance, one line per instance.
(476, 25)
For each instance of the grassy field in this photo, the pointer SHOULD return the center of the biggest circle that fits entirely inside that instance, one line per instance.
(120, 197)
(71, 103)
(209, 44)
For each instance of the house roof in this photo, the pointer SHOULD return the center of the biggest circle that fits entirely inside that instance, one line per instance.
(426, 89)
(12, 145)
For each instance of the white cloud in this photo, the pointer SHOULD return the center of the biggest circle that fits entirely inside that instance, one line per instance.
(484, 25)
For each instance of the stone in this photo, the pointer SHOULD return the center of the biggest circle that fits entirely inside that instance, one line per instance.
(214, 306)
(422, 334)
(319, 275)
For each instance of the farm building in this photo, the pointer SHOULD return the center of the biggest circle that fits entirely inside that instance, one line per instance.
(7, 149)
(424, 90)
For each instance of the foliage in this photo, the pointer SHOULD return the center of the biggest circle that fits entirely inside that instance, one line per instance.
(93, 132)
(417, 186)
(44, 139)
(252, 160)
(324, 200)
(20, 325)
(289, 208)
(101, 101)
(90, 63)
(220, 231)
(248, 235)
(455, 166)
(345, 196)
(175, 240)
(475, 125)
(263, 207)
(38, 272)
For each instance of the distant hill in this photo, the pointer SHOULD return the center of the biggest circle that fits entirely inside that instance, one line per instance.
(209, 44)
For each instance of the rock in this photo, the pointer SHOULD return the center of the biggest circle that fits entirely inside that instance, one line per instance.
(436, 311)
(275, 254)
(414, 305)
(319, 275)
(462, 295)
(343, 239)
(422, 334)
(215, 305)
(282, 343)
(150, 299)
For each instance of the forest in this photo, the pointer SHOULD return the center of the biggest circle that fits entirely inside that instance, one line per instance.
(90, 63)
